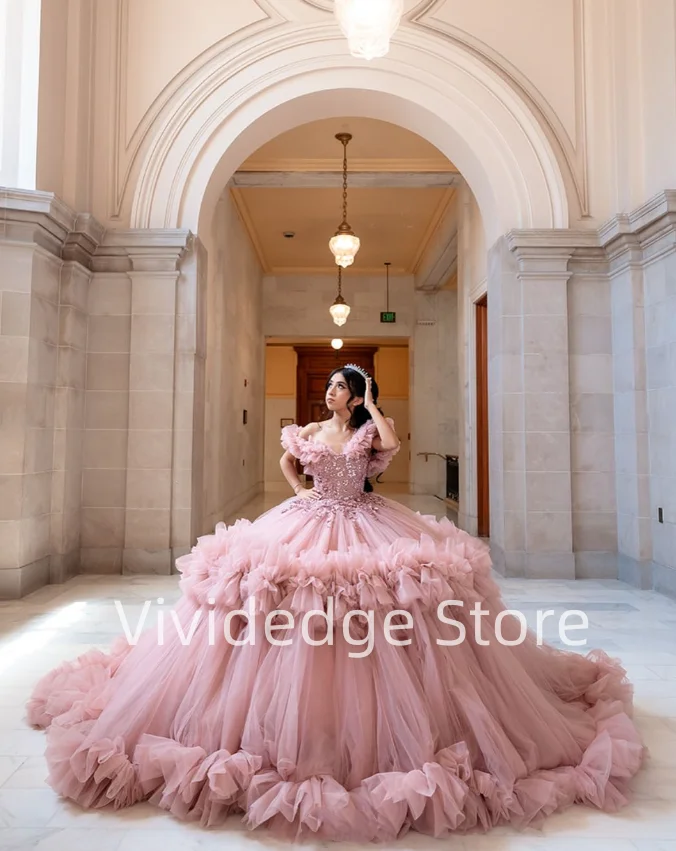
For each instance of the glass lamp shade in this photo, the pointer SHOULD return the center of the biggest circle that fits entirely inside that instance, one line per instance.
(340, 310)
(344, 246)
(337, 343)
(368, 25)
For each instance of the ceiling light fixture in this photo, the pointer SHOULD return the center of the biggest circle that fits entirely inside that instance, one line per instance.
(368, 25)
(337, 343)
(340, 309)
(344, 244)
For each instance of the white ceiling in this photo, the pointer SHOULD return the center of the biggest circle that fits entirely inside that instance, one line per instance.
(293, 183)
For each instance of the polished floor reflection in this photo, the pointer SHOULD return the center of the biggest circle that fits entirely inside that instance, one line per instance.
(59, 622)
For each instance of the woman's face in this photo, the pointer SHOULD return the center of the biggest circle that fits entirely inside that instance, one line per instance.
(338, 394)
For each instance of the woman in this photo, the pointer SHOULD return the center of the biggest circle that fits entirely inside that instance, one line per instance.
(340, 724)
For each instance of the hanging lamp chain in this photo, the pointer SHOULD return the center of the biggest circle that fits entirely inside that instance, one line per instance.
(345, 141)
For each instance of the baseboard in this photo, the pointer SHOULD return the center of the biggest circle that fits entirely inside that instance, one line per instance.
(587, 565)
(147, 562)
(664, 579)
(63, 566)
(633, 572)
(232, 506)
(101, 560)
(16, 582)
(596, 565)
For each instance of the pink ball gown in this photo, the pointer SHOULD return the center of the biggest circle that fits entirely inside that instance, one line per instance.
(309, 740)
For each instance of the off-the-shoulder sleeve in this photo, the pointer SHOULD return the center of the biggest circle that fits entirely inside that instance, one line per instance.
(380, 460)
(307, 451)
(291, 440)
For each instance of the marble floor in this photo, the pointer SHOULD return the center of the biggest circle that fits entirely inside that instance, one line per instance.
(60, 622)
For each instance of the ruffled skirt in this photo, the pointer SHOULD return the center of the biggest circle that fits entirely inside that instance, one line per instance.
(339, 733)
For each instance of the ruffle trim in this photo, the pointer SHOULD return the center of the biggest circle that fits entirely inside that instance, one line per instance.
(73, 691)
(231, 564)
(444, 795)
(309, 452)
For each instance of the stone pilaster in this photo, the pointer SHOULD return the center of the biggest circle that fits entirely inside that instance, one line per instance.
(641, 248)
(531, 502)
(157, 513)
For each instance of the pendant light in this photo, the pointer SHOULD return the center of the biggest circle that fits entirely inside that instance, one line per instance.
(368, 25)
(344, 244)
(340, 309)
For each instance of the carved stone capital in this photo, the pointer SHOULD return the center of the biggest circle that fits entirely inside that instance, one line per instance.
(151, 250)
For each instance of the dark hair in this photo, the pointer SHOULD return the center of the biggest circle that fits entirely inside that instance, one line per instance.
(357, 386)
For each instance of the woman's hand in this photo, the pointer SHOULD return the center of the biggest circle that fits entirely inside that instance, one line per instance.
(368, 396)
(307, 493)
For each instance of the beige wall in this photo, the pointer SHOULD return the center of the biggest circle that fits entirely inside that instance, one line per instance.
(298, 305)
(435, 403)
(594, 69)
(393, 372)
(233, 458)
(280, 403)
(67, 100)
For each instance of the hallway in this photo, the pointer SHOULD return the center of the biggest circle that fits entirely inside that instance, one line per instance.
(177, 288)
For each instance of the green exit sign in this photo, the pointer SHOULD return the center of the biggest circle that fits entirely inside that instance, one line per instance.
(388, 316)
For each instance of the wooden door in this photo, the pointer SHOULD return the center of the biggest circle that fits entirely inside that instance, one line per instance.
(483, 502)
(314, 366)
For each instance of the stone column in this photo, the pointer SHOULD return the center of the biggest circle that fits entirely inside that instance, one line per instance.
(160, 438)
(531, 504)
(630, 399)
(45, 249)
(187, 502)
(69, 422)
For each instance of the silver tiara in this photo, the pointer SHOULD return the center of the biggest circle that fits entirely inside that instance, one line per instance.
(358, 369)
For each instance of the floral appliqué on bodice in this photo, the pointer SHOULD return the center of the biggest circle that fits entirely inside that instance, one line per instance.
(339, 476)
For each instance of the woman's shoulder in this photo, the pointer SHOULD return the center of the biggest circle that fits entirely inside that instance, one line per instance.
(310, 428)
(292, 433)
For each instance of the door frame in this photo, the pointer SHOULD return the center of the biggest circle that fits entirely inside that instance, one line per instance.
(482, 428)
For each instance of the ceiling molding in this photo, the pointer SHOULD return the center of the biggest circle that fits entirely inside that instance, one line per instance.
(247, 221)
(334, 164)
(413, 13)
(432, 227)
(331, 180)
(332, 271)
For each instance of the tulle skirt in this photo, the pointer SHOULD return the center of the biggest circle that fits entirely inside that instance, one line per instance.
(343, 731)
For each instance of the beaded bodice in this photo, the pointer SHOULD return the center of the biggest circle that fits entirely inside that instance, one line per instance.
(338, 475)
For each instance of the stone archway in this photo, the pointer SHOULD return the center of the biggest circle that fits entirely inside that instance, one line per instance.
(430, 85)
(479, 118)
